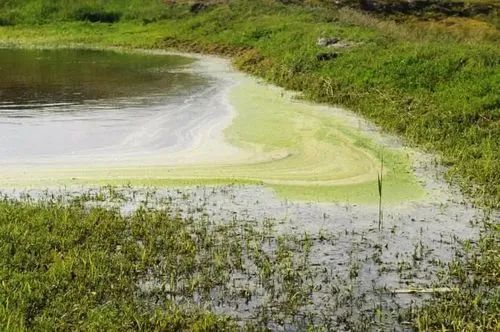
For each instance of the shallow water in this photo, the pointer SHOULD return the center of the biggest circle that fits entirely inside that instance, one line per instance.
(356, 269)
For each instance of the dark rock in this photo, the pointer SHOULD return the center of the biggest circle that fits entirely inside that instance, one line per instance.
(325, 56)
(367, 5)
(197, 7)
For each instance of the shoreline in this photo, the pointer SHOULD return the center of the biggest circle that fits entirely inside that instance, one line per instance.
(292, 175)
(70, 175)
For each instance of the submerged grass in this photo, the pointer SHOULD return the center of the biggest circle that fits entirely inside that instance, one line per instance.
(474, 304)
(67, 263)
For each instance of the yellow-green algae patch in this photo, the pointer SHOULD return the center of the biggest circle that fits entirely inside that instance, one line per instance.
(311, 155)
(328, 159)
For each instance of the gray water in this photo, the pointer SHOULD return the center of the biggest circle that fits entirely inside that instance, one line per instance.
(416, 242)
(60, 103)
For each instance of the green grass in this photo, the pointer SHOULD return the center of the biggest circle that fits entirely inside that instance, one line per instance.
(44, 11)
(435, 83)
(68, 264)
(67, 268)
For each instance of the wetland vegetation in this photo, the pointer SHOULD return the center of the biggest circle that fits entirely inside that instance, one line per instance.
(432, 78)
(174, 259)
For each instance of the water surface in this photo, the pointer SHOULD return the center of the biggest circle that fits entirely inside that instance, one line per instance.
(42, 79)
(101, 117)
(55, 104)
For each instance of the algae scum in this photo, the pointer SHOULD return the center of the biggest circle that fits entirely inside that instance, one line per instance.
(226, 155)
(95, 119)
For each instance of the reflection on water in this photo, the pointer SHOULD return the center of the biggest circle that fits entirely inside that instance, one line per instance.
(60, 103)
(59, 79)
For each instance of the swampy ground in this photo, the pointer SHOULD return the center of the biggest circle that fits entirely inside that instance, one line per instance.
(219, 258)
(433, 79)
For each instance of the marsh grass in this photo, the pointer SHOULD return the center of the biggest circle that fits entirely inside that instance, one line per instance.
(75, 262)
(473, 302)
(380, 178)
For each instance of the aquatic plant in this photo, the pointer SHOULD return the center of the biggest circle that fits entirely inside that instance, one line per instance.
(379, 184)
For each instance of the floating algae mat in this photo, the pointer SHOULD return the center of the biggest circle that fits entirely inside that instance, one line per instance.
(167, 120)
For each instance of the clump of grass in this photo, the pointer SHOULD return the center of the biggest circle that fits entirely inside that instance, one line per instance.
(67, 267)
(96, 15)
(379, 184)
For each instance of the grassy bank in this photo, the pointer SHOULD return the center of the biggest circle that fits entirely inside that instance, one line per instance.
(434, 82)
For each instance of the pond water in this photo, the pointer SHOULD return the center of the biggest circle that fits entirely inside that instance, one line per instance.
(59, 80)
(102, 117)
(57, 103)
